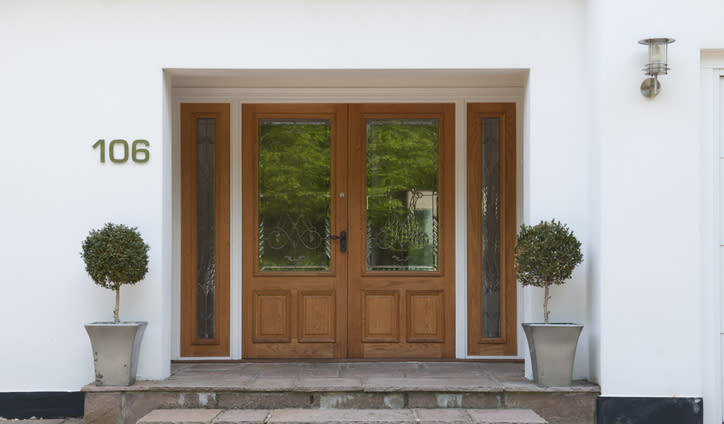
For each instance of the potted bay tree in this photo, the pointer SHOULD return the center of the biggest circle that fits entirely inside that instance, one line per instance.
(115, 255)
(546, 254)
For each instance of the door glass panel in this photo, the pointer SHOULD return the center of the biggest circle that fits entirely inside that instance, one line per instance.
(402, 195)
(205, 227)
(294, 195)
(491, 227)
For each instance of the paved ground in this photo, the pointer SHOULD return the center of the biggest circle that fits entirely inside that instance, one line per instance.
(346, 377)
(57, 421)
(346, 416)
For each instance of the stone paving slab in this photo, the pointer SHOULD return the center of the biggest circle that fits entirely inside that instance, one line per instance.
(346, 377)
(180, 416)
(505, 416)
(336, 384)
(447, 416)
(242, 416)
(346, 416)
(427, 384)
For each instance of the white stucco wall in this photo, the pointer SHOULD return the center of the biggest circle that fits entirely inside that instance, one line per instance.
(82, 71)
(653, 279)
(622, 171)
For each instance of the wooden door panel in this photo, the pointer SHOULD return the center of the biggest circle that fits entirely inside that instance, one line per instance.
(425, 316)
(317, 316)
(492, 325)
(205, 223)
(294, 306)
(403, 351)
(405, 310)
(272, 316)
(363, 305)
(381, 316)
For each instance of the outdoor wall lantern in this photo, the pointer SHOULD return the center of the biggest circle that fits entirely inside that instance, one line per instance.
(657, 65)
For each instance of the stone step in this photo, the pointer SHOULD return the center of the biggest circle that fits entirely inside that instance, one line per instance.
(342, 416)
(354, 385)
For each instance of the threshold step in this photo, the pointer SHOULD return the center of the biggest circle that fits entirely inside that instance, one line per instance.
(342, 416)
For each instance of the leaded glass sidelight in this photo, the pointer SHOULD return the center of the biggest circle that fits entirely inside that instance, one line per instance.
(205, 228)
(294, 199)
(402, 195)
(490, 219)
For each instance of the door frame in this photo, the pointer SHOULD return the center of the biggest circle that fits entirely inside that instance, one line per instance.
(712, 170)
(236, 96)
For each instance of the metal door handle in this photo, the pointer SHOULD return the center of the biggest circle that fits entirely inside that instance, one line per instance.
(342, 237)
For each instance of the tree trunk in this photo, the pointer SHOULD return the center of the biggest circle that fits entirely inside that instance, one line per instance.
(545, 305)
(118, 302)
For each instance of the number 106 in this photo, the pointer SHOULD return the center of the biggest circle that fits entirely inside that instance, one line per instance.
(118, 150)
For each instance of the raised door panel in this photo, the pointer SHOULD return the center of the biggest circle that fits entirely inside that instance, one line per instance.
(317, 317)
(425, 316)
(381, 316)
(272, 316)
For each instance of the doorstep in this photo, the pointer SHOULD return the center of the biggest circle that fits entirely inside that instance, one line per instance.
(346, 416)
(346, 385)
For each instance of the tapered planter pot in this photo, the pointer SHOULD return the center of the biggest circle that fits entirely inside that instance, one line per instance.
(115, 351)
(552, 351)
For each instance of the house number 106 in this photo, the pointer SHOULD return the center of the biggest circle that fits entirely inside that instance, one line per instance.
(118, 150)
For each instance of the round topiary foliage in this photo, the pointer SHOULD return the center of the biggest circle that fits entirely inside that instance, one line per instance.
(546, 254)
(115, 255)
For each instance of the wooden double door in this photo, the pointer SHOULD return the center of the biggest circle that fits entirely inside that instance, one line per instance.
(348, 231)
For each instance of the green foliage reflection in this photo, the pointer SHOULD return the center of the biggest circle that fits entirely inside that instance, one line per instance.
(294, 195)
(402, 189)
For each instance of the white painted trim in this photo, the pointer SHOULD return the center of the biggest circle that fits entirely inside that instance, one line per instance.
(712, 71)
(712, 386)
(176, 230)
(351, 95)
(712, 291)
(235, 228)
(238, 96)
(461, 223)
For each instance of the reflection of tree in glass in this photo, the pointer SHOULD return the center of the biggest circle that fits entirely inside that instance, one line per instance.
(402, 188)
(294, 195)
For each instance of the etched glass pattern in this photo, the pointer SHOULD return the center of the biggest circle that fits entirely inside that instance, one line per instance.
(402, 195)
(205, 228)
(491, 226)
(294, 195)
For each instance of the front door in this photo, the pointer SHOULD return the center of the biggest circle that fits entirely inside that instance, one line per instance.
(348, 231)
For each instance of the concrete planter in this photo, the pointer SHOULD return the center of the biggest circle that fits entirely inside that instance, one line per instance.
(552, 351)
(115, 351)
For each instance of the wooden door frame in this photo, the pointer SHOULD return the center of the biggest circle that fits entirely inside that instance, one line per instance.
(190, 345)
(506, 344)
(235, 97)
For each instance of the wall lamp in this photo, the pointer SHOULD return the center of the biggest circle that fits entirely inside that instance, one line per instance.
(657, 65)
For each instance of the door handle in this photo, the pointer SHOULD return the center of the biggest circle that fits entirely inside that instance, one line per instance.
(342, 237)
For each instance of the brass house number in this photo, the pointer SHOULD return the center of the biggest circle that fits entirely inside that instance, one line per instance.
(118, 150)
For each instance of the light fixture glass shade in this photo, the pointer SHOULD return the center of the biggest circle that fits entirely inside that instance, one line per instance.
(658, 64)
(657, 52)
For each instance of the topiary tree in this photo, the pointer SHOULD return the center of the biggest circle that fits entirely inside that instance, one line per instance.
(115, 255)
(546, 254)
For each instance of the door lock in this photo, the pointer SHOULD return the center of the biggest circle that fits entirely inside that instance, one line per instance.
(342, 237)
